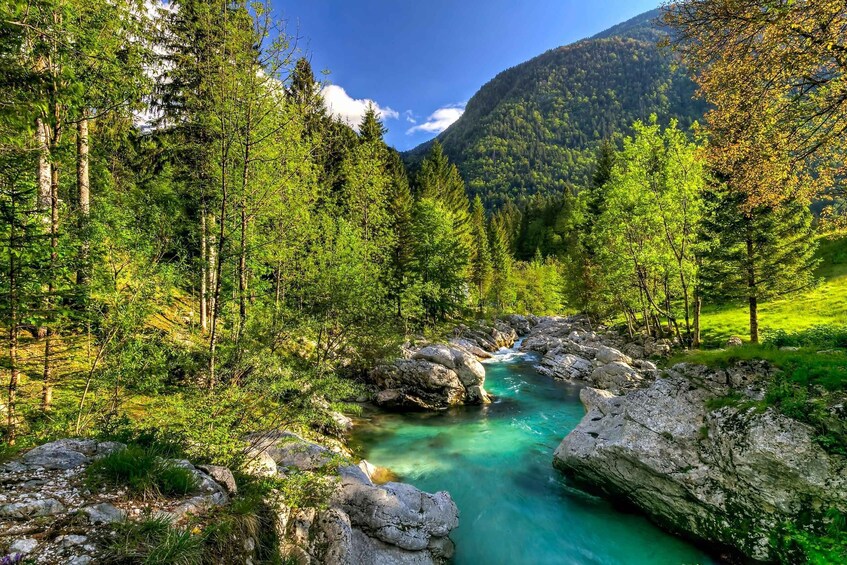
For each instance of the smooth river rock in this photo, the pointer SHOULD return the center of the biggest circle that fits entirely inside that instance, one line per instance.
(729, 476)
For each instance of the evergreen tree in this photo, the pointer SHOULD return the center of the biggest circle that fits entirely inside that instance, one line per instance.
(439, 179)
(502, 289)
(371, 129)
(480, 260)
(439, 260)
(757, 254)
(400, 209)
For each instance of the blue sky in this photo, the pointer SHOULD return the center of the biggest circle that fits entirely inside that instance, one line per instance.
(420, 61)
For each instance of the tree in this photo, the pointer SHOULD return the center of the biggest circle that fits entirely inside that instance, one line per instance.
(371, 129)
(774, 74)
(439, 179)
(647, 232)
(502, 286)
(756, 254)
(480, 259)
(439, 260)
(400, 210)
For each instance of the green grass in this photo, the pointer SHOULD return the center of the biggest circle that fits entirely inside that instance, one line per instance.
(824, 305)
(143, 472)
(153, 540)
(806, 385)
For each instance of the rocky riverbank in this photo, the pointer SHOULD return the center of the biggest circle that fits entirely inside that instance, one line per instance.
(571, 349)
(722, 471)
(50, 513)
(440, 375)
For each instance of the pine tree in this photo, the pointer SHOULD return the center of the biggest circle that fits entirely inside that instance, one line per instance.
(481, 263)
(439, 179)
(371, 129)
(756, 255)
(400, 209)
(502, 288)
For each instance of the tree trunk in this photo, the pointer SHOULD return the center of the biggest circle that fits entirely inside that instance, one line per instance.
(698, 305)
(754, 320)
(751, 287)
(216, 289)
(204, 272)
(83, 186)
(44, 175)
(47, 385)
(242, 255)
(14, 374)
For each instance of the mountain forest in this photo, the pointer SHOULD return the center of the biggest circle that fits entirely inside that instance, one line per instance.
(200, 261)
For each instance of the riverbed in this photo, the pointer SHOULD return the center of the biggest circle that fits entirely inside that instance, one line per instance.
(496, 462)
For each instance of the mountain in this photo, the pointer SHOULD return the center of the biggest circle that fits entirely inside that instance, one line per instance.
(534, 128)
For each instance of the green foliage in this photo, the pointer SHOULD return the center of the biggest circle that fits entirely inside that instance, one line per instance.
(153, 540)
(824, 337)
(143, 472)
(535, 127)
(644, 239)
(816, 546)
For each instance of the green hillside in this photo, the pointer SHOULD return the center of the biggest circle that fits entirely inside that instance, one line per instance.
(534, 128)
(826, 304)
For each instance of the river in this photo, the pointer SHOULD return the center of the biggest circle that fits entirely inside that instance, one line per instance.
(495, 461)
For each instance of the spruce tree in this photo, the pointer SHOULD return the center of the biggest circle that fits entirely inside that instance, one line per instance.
(502, 289)
(371, 129)
(439, 179)
(757, 254)
(481, 265)
(400, 209)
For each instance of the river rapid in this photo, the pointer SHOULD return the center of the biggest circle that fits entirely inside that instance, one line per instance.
(496, 462)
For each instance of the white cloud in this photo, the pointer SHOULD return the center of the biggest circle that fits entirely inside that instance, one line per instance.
(439, 120)
(410, 117)
(351, 110)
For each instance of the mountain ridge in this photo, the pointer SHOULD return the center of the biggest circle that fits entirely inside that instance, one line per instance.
(534, 127)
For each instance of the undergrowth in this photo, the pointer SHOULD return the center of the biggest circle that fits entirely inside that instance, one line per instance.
(143, 471)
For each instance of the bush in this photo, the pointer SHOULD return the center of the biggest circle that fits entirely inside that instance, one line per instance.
(822, 547)
(820, 337)
(143, 471)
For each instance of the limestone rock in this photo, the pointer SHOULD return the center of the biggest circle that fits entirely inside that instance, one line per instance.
(729, 476)
(433, 377)
(104, 513)
(23, 546)
(615, 377)
(222, 476)
(32, 508)
(607, 354)
(368, 523)
(734, 341)
(592, 397)
(565, 366)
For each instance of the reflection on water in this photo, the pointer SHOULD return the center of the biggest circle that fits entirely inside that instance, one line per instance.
(496, 462)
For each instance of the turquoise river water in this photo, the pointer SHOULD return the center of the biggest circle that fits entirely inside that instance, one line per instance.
(495, 461)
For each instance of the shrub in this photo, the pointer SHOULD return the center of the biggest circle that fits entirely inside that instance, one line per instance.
(820, 337)
(143, 471)
(821, 547)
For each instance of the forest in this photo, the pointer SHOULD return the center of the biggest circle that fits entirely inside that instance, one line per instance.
(193, 247)
(182, 212)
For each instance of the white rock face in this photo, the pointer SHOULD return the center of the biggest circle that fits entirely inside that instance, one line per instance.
(436, 376)
(729, 475)
(572, 352)
(365, 523)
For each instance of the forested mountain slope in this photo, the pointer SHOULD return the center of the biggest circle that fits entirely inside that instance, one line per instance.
(534, 128)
